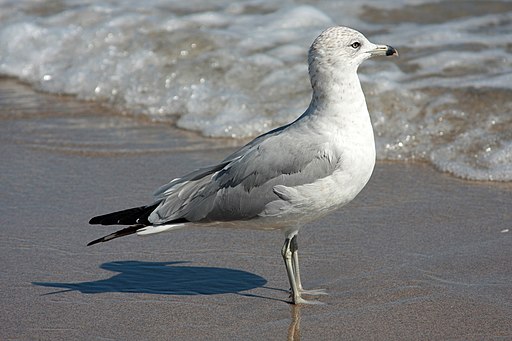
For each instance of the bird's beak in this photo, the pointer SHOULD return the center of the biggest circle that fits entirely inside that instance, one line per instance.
(383, 50)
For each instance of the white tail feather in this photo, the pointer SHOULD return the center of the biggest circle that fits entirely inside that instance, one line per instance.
(158, 228)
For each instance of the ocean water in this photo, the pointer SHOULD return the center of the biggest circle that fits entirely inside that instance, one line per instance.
(238, 68)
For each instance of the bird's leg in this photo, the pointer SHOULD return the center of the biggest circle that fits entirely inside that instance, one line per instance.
(287, 257)
(294, 247)
(287, 254)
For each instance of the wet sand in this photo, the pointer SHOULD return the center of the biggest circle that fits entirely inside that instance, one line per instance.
(419, 255)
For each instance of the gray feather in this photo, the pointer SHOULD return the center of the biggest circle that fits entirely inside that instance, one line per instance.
(240, 186)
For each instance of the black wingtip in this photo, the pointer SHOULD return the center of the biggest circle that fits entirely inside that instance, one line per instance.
(99, 240)
(135, 215)
(121, 233)
(95, 220)
(110, 237)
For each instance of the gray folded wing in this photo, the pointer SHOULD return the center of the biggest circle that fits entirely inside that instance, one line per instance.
(240, 186)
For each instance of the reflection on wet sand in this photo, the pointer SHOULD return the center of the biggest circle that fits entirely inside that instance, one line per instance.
(294, 328)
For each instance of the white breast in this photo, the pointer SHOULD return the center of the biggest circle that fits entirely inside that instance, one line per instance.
(338, 117)
(315, 199)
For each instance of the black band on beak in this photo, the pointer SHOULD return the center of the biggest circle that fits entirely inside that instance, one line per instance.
(391, 51)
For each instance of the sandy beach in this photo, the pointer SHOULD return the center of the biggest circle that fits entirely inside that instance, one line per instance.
(419, 255)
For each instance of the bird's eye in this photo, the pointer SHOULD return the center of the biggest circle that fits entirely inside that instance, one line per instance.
(355, 45)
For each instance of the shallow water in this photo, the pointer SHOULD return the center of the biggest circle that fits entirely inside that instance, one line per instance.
(236, 69)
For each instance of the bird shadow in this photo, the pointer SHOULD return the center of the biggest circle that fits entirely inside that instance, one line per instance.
(165, 278)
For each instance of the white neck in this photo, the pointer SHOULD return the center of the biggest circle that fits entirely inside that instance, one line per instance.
(337, 95)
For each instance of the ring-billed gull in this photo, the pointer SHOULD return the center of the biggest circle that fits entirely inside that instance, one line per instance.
(288, 176)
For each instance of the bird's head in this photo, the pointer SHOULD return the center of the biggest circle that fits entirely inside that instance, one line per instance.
(343, 48)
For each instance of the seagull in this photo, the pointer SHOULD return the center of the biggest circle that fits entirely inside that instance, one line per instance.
(286, 177)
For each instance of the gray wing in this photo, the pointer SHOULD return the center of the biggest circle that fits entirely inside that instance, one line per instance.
(241, 185)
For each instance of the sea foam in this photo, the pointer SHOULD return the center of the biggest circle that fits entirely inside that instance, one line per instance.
(237, 69)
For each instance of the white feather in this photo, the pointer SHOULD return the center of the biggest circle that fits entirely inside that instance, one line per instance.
(158, 229)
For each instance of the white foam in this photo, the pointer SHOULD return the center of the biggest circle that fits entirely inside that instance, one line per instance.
(237, 69)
